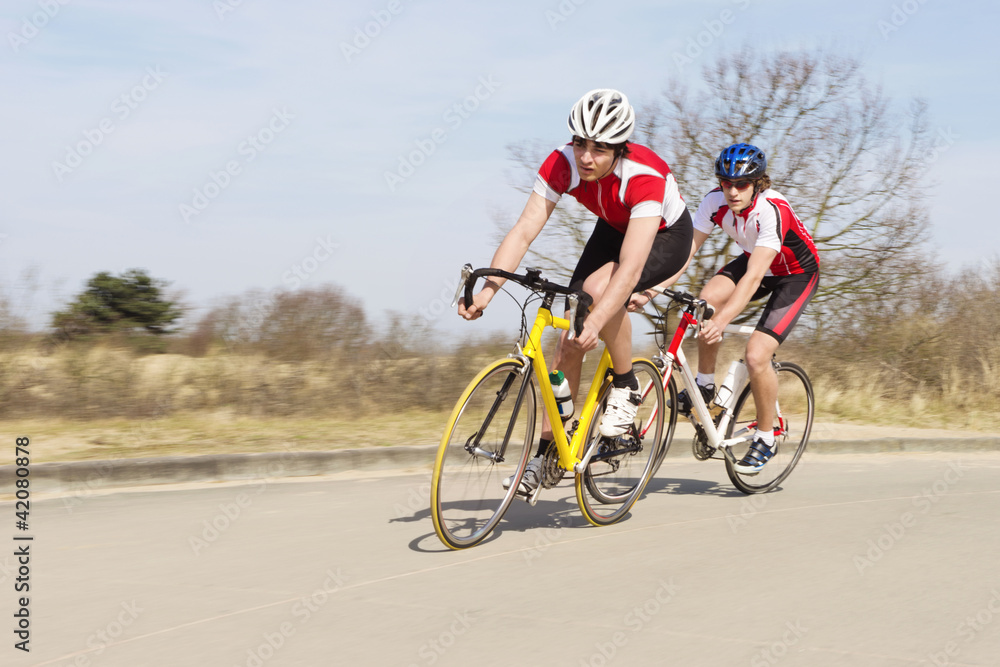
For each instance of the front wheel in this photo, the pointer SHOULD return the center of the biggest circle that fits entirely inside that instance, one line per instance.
(670, 422)
(618, 472)
(487, 440)
(793, 421)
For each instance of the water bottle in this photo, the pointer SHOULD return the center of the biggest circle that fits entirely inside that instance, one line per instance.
(736, 377)
(564, 400)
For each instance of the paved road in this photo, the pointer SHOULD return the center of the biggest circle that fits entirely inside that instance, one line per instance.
(884, 559)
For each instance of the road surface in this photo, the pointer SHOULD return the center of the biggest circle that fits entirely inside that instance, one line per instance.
(881, 559)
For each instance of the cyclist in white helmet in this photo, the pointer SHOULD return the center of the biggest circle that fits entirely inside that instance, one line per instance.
(642, 238)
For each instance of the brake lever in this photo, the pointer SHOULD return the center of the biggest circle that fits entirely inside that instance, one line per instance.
(700, 307)
(466, 272)
(574, 301)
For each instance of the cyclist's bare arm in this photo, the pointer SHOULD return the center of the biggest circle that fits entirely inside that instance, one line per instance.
(760, 261)
(640, 299)
(511, 251)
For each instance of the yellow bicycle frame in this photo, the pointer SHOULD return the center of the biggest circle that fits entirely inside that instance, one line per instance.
(570, 452)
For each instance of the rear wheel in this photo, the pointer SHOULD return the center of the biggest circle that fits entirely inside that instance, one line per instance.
(488, 438)
(793, 423)
(620, 468)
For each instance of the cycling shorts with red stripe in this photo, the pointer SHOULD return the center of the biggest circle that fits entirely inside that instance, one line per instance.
(789, 296)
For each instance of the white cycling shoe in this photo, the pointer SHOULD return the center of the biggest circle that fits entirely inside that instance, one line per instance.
(623, 405)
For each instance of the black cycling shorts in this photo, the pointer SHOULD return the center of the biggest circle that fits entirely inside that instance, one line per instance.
(671, 249)
(789, 296)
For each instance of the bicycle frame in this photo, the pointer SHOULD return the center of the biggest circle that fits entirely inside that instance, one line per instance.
(572, 458)
(673, 356)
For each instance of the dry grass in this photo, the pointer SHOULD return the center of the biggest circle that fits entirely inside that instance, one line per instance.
(221, 432)
(102, 403)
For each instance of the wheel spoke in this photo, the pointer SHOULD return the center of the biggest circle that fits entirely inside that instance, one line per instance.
(619, 470)
(794, 416)
(487, 440)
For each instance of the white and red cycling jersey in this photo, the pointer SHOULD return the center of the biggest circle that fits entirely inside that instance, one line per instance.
(768, 222)
(639, 186)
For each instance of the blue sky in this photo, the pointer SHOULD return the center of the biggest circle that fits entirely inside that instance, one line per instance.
(225, 145)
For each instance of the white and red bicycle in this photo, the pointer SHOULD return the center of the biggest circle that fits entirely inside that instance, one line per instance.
(724, 431)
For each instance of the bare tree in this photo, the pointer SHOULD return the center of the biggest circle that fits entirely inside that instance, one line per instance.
(852, 166)
(296, 325)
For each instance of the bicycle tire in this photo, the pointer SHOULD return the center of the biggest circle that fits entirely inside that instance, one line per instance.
(611, 483)
(495, 413)
(670, 423)
(794, 416)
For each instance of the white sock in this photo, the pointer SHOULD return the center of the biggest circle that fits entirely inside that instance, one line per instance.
(705, 379)
(767, 437)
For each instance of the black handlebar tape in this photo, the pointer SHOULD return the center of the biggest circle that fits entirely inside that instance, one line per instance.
(709, 311)
(468, 289)
(471, 282)
(584, 302)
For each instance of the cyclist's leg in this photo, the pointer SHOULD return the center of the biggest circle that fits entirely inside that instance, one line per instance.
(717, 292)
(569, 360)
(763, 382)
(617, 331)
(789, 297)
(602, 247)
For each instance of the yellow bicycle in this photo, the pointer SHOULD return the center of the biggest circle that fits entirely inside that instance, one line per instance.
(491, 431)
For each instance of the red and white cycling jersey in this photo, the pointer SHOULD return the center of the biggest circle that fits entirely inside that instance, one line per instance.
(768, 222)
(640, 186)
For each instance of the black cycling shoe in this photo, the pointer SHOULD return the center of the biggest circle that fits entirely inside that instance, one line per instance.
(755, 458)
(684, 402)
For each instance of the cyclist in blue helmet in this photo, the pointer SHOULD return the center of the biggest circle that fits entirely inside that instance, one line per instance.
(779, 260)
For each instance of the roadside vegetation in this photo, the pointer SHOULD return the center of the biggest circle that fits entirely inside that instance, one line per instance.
(306, 371)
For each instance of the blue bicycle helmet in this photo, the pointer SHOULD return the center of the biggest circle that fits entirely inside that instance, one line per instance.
(741, 161)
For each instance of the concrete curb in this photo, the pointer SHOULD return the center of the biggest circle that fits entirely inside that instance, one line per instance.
(84, 477)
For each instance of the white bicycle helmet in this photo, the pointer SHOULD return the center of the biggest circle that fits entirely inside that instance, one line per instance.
(603, 115)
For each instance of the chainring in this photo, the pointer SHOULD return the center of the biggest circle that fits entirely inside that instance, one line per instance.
(552, 474)
(699, 445)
